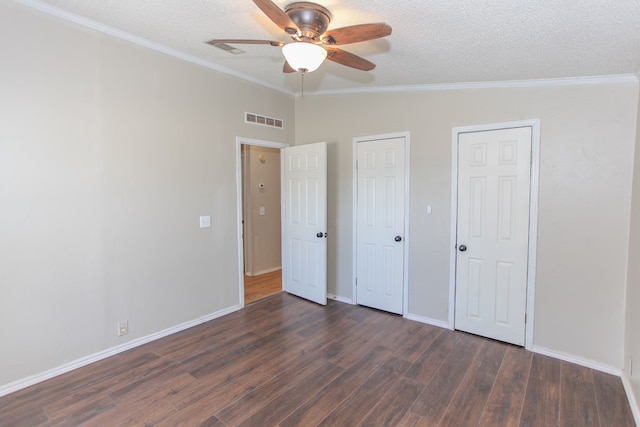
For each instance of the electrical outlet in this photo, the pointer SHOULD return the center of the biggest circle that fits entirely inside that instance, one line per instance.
(123, 327)
(205, 221)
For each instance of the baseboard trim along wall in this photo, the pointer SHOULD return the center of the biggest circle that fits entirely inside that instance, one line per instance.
(578, 361)
(633, 402)
(268, 270)
(429, 321)
(536, 349)
(43, 376)
(340, 299)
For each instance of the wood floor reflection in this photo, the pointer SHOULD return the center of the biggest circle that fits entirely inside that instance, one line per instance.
(262, 286)
(286, 362)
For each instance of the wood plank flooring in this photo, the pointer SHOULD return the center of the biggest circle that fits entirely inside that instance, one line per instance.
(262, 286)
(288, 362)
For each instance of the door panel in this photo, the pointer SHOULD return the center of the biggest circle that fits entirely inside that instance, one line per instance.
(380, 221)
(492, 233)
(304, 249)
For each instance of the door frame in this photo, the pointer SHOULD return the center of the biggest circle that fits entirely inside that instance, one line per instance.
(407, 174)
(239, 205)
(534, 124)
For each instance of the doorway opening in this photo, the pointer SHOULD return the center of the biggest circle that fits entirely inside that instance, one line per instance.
(259, 210)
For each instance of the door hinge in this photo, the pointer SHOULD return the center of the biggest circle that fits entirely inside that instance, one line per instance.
(356, 281)
(356, 165)
(525, 318)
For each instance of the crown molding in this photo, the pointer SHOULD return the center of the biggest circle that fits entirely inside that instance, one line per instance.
(555, 82)
(565, 81)
(106, 29)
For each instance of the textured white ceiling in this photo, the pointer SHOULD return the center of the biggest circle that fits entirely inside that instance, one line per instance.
(433, 41)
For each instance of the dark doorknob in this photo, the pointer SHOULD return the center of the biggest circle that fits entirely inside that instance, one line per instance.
(398, 239)
(462, 248)
(320, 234)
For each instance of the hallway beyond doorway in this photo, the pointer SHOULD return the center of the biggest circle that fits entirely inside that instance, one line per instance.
(262, 286)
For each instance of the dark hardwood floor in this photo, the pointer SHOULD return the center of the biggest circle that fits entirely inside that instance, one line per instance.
(262, 286)
(288, 362)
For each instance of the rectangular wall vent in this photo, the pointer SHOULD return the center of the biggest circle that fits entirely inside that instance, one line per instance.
(257, 119)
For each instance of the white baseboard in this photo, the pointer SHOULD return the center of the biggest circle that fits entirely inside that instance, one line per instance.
(577, 360)
(427, 320)
(340, 299)
(268, 270)
(633, 402)
(78, 363)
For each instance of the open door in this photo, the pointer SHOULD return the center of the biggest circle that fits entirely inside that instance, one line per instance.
(304, 221)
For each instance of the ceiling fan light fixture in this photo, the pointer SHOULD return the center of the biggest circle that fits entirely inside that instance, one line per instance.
(303, 56)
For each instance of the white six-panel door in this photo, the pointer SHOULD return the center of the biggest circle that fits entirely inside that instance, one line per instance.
(492, 233)
(304, 227)
(380, 224)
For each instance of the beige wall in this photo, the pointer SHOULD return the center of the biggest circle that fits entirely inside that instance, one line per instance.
(587, 144)
(262, 232)
(109, 153)
(633, 289)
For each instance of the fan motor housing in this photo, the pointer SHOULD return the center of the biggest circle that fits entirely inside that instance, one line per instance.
(312, 19)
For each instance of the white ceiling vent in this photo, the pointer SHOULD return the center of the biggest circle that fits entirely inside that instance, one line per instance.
(257, 119)
(228, 48)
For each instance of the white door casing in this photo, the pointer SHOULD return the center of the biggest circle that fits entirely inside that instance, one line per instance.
(380, 223)
(304, 221)
(493, 233)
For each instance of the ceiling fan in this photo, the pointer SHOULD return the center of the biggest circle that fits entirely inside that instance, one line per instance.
(306, 23)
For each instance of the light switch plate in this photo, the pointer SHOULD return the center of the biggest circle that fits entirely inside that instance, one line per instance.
(205, 221)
